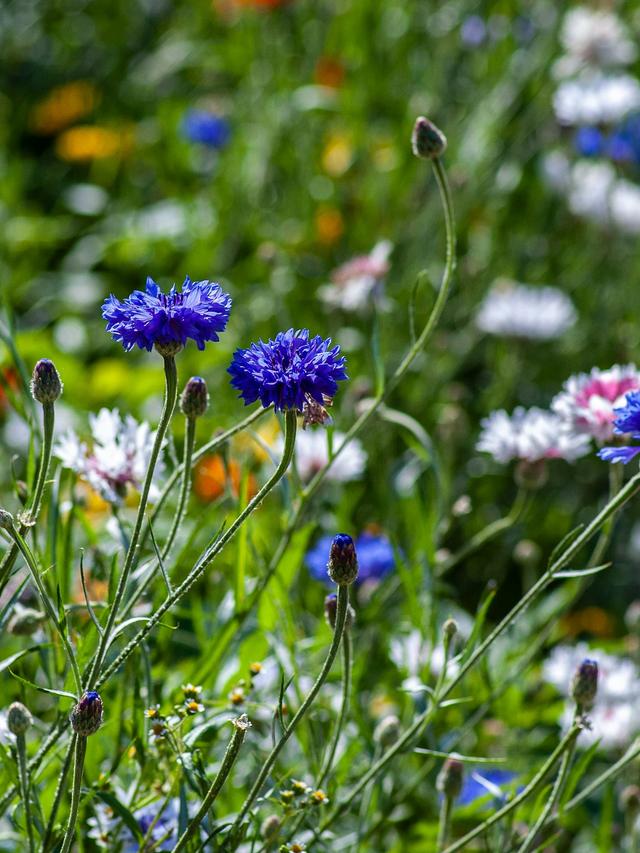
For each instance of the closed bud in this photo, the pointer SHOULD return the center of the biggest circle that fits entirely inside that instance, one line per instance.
(387, 731)
(18, 718)
(194, 400)
(270, 827)
(46, 386)
(87, 714)
(450, 778)
(331, 611)
(584, 685)
(25, 621)
(427, 140)
(343, 562)
(449, 629)
(6, 520)
(630, 799)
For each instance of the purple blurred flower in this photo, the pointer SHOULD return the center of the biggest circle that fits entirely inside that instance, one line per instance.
(288, 371)
(144, 319)
(206, 128)
(627, 422)
(375, 558)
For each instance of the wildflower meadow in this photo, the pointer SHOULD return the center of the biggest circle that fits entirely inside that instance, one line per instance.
(319, 426)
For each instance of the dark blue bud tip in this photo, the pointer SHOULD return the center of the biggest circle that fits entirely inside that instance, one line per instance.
(92, 696)
(343, 562)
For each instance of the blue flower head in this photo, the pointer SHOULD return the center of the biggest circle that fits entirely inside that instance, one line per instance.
(589, 141)
(289, 371)
(206, 128)
(375, 558)
(627, 422)
(480, 783)
(167, 320)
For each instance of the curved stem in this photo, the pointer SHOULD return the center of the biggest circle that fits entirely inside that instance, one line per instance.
(185, 486)
(344, 708)
(33, 509)
(444, 823)
(62, 778)
(171, 390)
(207, 558)
(241, 726)
(23, 775)
(341, 615)
(81, 748)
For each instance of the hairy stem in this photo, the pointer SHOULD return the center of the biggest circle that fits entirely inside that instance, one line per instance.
(78, 768)
(185, 485)
(23, 775)
(62, 779)
(444, 823)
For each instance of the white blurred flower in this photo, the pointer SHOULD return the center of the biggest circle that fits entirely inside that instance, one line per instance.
(590, 186)
(312, 454)
(614, 719)
(355, 283)
(625, 206)
(118, 458)
(595, 37)
(596, 99)
(517, 310)
(530, 435)
(413, 654)
(587, 400)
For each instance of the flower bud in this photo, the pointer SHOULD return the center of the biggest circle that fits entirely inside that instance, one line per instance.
(450, 778)
(449, 629)
(6, 520)
(630, 799)
(584, 684)
(46, 386)
(427, 140)
(331, 611)
(18, 718)
(343, 562)
(194, 400)
(387, 731)
(270, 827)
(87, 714)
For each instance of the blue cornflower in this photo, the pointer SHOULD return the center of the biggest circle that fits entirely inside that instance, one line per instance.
(480, 783)
(375, 558)
(626, 422)
(589, 141)
(206, 128)
(167, 320)
(290, 371)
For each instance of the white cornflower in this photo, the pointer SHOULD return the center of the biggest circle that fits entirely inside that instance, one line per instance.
(312, 454)
(530, 435)
(596, 99)
(118, 458)
(354, 284)
(517, 310)
(625, 206)
(593, 37)
(590, 187)
(587, 400)
(613, 718)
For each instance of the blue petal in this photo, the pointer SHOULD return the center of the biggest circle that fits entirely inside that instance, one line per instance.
(618, 454)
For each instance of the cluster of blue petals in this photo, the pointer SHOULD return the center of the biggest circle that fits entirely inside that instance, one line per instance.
(206, 128)
(627, 422)
(375, 558)
(287, 371)
(481, 783)
(197, 312)
(622, 144)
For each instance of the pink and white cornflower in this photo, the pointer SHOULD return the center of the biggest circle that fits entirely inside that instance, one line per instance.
(312, 454)
(587, 401)
(529, 435)
(627, 422)
(520, 311)
(356, 282)
(593, 37)
(614, 719)
(593, 99)
(118, 456)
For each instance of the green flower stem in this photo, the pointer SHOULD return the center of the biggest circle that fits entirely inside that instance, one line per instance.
(613, 506)
(23, 775)
(341, 618)
(47, 604)
(444, 823)
(207, 558)
(62, 778)
(554, 796)
(344, 708)
(171, 390)
(301, 504)
(240, 729)
(32, 511)
(185, 486)
(488, 533)
(78, 768)
(532, 788)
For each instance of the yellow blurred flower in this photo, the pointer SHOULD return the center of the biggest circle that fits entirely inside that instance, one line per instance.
(62, 106)
(91, 142)
(245, 442)
(385, 155)
(590, 620)
(329, 225)
(337, 155)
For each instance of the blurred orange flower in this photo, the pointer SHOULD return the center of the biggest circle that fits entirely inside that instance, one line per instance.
(329, 72)
(329, 225)
(589, 620)
(62, 106)
(89, 142)
(227, 7)
(9, 380)
(212, 479)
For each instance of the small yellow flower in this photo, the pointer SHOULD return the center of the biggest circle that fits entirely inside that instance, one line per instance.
(255, 668)
(193, 707)
(299, 788)
(153, 713)
(287, 796)
(237, 696)
(191, 691)
(337, 155)
(319, 798)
